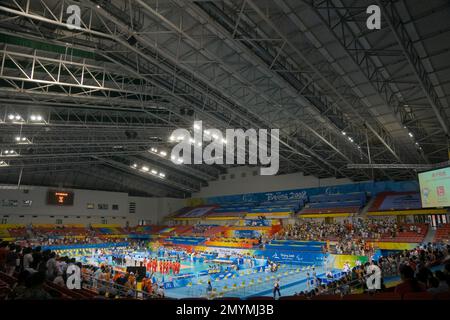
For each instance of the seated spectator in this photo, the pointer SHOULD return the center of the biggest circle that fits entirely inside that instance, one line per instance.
(34, 288)
(18, 289)
(433, 285)
(409, 283)
(59, 280)
(28, 259)
(11, 260)
(443, 286)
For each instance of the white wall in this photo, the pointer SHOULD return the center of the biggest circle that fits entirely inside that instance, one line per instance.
(151, 209)
(256, 183)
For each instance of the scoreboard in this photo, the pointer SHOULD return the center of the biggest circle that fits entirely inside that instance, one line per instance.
(60, 198)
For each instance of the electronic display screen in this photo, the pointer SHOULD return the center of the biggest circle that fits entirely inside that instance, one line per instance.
(60, 198)
(435, 188)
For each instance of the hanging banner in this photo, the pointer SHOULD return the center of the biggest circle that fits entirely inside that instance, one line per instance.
(371, 187)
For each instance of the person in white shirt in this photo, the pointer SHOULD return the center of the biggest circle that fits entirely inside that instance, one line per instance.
(346, 268)
(52, 267)
(27, 258)
(96, 277)
(160, 291)
(59, 280)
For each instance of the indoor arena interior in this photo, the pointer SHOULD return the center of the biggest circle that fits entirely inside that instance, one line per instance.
(202, 150)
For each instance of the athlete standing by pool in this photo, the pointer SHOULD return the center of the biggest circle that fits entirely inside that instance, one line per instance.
(276, 288)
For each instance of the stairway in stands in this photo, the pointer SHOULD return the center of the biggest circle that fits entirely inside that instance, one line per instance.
(430, 235)
(366, 208)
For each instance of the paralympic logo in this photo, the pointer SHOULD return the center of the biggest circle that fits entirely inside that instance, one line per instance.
(190, 149)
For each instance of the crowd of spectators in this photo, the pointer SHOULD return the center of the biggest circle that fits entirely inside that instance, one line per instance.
(35, 270)
(414, 267)
(351, 237)
(361, 228)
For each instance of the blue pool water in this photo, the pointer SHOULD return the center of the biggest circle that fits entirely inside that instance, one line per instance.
(249, 283)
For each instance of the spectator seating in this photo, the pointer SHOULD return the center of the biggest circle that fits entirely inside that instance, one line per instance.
(185, 240)
(7, 282)
(240, 209)
(388, 201)
(7, 279)
(330, 210)
(386, 296)
(335, 204)
(181, 211)
(442, 296)
(108, 229)
(327, 297)
(418, 296)
(405, 234)
(55, 230)
(293, 298)
(17, 231)
(205, 230)
(442, 233)
(195, 212)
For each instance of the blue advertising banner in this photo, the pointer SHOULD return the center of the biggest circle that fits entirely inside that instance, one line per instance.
(293, 257)
(249, 234)
(257, 222)
(370, 187)
(295, 245)
(86, 246)
(401, 201)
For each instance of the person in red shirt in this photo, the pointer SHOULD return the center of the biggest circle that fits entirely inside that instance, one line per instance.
(172, 267)
(152, 265)
(161, 266)
(178, 268)
(409, 283)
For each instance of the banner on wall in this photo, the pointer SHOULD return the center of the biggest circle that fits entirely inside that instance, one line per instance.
(248, 234)
(338, 260)
(86, 246)
(370, 187)
(257, 222)
(401, 202)
(293, 257)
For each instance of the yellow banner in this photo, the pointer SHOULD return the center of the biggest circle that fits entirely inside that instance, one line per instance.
(407, 212)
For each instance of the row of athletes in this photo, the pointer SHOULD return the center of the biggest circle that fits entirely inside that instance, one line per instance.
(162, 266)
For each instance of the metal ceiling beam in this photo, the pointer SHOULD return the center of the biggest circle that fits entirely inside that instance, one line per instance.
(196, 45)
(392, 17)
